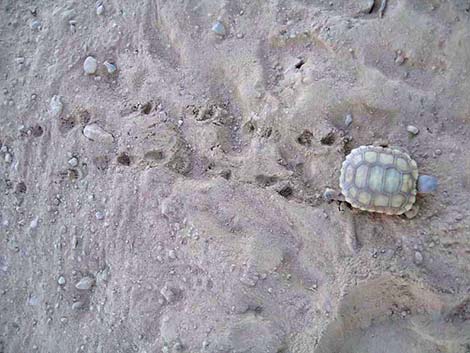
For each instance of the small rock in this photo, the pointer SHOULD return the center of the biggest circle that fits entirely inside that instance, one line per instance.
(61, 280)
(73, 162)
(100, 9)
(168, 294)
(172, 254)
(111, 68)
(219, 28)
(95, 133)
(77, 305)
(99, 215)
(348, 120)
(8, 158)
(438, 152)
(90, 65)
(34, 223)
(85, 283)
(400, 58)
(418, 258)
(56, 106)
(412, 130)
(35, 25)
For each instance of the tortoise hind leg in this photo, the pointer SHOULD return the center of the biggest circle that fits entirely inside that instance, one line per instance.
(412, 213)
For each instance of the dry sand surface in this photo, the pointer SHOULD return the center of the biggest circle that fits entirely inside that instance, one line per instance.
(162, 166)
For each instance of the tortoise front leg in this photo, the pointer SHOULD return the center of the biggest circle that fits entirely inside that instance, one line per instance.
(331, 195)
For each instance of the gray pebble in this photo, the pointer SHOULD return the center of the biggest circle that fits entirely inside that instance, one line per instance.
(56, 106)
(172, 254)
(73, 162)
(418, 258)
(99, 215)
(412, 130)
(77, 305)
(8, 158)
(95, 133)
(111, 68)
(61, 280)
(168, 294)
(90, 65)
(348, 120)
(85, 283)
(219, 28)
(35, 25)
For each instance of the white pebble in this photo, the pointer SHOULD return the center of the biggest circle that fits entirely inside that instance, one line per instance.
(111, 68)
(348, 120)
(73, 162)
(8, 158)
(34, 223)
(56, 106)
(61, 280)
(90, 65)
(412, 129)
(99, 215)
(172, 254)
(100, 9)
(95, 133)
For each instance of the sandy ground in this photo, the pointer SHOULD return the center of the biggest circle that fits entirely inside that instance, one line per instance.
(175, 204)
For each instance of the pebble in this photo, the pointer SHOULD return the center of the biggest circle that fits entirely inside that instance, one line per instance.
(85, 283)
(90, 65)
(412, 130)
(111, 68)
(56, 106)
(34, 223)
(400, 58)
(418, 258)
(35, 25)
(8, 158)
(73, 162)
(348, 120)
(61, 280)
(77, 305)
(172, 254)
(219, 28)
(95, 133)
(99, 215)
(168, 294)
(100, 9)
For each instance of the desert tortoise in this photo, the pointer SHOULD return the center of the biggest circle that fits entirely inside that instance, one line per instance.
(381, 179)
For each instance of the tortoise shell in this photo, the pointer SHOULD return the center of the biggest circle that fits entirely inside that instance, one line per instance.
(378, 179)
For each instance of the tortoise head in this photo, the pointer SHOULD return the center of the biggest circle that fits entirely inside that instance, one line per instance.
(427, 183)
